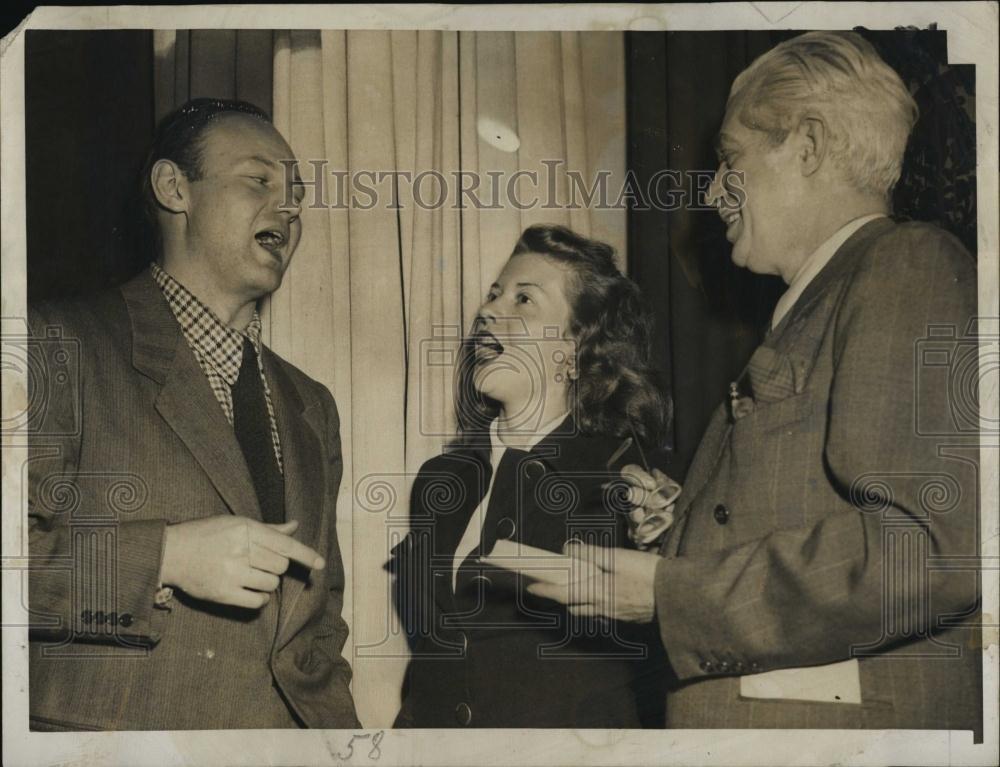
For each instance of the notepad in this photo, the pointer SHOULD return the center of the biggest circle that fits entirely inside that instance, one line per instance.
(530, 560)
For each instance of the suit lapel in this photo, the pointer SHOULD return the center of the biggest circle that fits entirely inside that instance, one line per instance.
(305, 477)
(775, 370)
(841, 261)
(471, 469)
(571, 460)
(473, 472)
(186, 401)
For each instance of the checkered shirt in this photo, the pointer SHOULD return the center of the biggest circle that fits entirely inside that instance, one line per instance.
(218, 348)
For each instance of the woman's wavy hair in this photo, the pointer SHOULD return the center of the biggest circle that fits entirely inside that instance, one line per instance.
(617, 391)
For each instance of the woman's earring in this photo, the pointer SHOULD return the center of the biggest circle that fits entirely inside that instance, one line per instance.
(567, 364)
(571, 372)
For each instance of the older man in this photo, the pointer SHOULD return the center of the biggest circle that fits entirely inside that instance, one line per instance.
(185, 565)
(821, 571)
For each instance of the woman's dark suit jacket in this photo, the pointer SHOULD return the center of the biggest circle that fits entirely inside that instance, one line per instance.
(488, 654)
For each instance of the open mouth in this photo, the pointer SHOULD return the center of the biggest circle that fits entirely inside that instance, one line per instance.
(271, 240)
(487, 346)
(733, 220)
(730, 216)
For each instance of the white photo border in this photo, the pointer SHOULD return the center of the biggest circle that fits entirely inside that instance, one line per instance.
(972, 29)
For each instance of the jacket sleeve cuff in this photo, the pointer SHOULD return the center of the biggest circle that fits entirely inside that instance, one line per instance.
(121, 608)
(681, 615)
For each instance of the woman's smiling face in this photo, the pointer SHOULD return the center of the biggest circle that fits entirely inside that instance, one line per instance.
(523, 347)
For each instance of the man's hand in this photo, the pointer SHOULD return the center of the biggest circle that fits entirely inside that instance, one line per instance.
(614, 583)
(652, 497)
(232, 560)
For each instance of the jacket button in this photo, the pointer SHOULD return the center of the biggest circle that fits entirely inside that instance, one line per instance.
(125, 619)
(463, 714)
(534, 469)
(706, 666)
(86, 616)
(506, 529)
(721, 514)
(755, 667)
(738, 667)
(111, 619)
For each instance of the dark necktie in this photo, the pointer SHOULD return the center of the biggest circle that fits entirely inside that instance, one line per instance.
(253, 431)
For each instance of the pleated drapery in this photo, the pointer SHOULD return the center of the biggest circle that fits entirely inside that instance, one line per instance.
(219, 63)
(379, 293)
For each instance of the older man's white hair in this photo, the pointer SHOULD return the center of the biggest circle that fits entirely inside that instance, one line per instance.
(839, 78)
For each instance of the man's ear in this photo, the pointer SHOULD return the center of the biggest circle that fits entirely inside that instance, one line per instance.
(812, 144)
(169, 186)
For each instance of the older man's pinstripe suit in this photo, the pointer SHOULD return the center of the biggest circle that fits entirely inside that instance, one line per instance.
(839, 518)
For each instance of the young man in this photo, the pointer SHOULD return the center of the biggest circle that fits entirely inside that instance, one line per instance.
(821, 571)
(182, 492)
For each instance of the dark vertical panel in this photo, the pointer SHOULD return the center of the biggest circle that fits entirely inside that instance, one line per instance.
(648, 153)
(718, 311)
(213, 63)
(88, 121)
(182, 67)
(709, 314)
(255, 67)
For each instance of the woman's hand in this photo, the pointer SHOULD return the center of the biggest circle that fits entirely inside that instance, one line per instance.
(608, 582)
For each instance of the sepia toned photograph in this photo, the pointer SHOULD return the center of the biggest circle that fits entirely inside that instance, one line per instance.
(478, 384)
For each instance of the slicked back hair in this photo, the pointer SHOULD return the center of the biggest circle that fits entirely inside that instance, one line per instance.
(180, 137)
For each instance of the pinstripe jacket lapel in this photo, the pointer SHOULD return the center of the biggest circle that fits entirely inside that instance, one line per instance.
(778, 368)
(780, 365)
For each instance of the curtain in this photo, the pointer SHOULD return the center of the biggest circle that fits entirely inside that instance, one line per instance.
(378, 295)
(218, 63)
(376, 299)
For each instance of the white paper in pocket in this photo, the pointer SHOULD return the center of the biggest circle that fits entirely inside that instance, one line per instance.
(832, 683)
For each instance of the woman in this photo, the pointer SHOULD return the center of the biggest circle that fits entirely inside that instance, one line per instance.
(554, 393)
